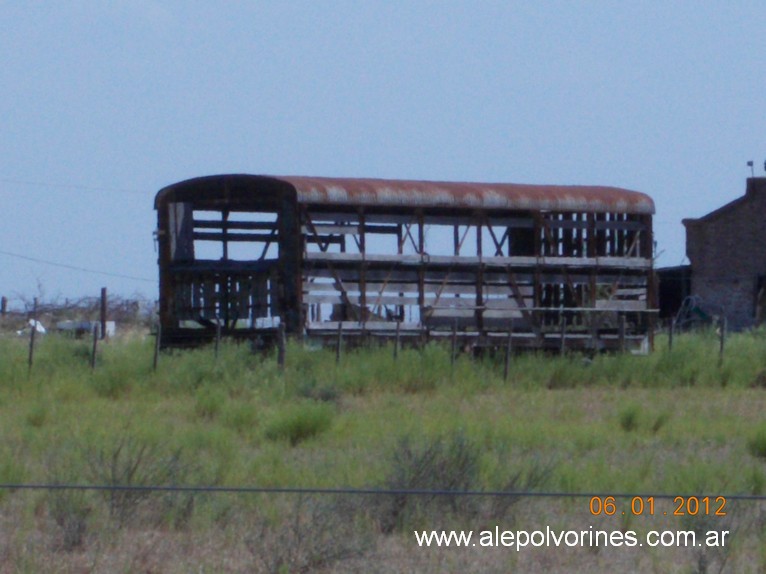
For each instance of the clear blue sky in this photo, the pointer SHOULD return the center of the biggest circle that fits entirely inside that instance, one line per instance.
(103, 103)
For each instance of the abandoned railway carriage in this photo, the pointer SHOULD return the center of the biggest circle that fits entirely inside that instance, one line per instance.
(553, 266)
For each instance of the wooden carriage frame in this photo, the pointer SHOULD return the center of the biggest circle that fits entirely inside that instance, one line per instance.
(555, 266)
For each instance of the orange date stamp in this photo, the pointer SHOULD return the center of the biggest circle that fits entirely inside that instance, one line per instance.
(646, 506)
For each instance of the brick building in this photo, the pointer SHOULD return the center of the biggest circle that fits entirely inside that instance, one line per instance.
(727, 251)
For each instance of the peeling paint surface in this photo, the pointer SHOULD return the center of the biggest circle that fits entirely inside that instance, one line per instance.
(473, 195)
(410, 193)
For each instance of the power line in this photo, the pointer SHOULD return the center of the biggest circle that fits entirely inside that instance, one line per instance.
(75, 268)
(69, 186)
(367, 491)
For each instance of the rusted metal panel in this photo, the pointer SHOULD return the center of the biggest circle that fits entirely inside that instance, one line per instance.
(371, 192)
(236, 188)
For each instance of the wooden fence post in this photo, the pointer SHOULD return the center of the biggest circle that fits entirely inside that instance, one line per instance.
(157, 346)
(722, 338)
(454, 343)
(622, 333)
(217, 335)
(281, 344)
(103, 312)
(396, 341)
(563, 325)
(339, 342)
(95, 344)
(670, 333)
(508, 350)
(4, 306)
(32, 338)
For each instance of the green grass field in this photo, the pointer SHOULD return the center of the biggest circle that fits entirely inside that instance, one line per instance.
(680, 422)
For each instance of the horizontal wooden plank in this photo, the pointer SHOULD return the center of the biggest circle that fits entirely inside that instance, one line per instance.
(621, 305)
(212, 267)
(632, 292)
(252, 237)
(332, 326)
(326, 239)
(337, 229)
(474, 261)
(626, 225)
(414, 287)
(250, 225)
(391, 299)
(437, 276)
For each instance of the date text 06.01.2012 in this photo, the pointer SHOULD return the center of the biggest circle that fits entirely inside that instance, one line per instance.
(645, 506)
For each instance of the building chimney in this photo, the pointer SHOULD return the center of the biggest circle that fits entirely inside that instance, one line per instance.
(756, 185)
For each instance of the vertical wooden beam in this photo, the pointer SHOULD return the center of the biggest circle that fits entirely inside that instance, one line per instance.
(479, 312)
(421, 273)
(3, 306)
(399, 251)
(478, 237)
(362, 273)
(456, 239)
(421, 234)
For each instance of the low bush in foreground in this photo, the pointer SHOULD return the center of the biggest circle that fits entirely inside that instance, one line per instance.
(299, 422)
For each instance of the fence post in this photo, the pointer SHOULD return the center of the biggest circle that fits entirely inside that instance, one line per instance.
(508, 350)
(563, 325)
(157, 346)
(32, 337)
(103, 312)
(4, 306)
(339, 342)
(281, 346)
(670, 333)
(593, 327)
(722, 337)
(454, 343)
(622, 333)
(217, 335)
(396, 341)
(95, 344)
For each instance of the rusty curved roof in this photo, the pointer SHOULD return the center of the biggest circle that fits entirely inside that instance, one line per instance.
(410, 193)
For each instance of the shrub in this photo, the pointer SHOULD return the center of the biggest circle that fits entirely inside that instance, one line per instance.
(240, 417)
(37, 416)
(660, 421)
(209, 402)
(309, 388)
(69, 509)
(756, 445)
(313, 535)
(536, 475)
(300, 422)
(445, 464)
(133, 462)
(629, 417)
